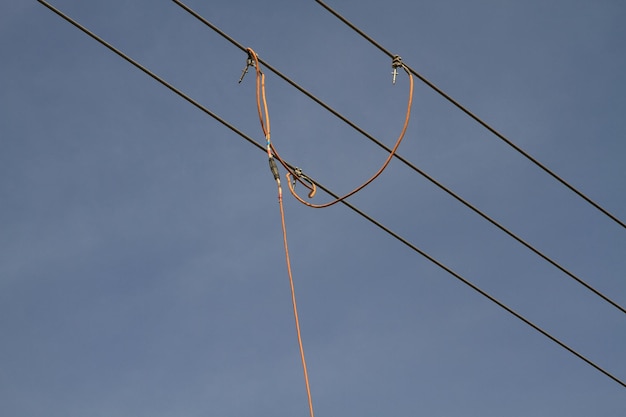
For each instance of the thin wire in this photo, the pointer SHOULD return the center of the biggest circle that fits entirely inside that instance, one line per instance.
(476, 118)
(264, 119)
(344, 202)
(295, 307)
(402, 159)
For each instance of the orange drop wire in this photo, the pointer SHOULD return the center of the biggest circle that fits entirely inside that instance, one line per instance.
(265, 126)
(264, 119)
(293, 302)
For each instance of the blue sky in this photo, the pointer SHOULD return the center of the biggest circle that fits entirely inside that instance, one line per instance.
(141, 263)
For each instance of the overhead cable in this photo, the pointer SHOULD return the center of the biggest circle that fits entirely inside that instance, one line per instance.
(264, 119)
(396, 63)
(297, 174)
(344, 202)
(403, 160)
(476, 118)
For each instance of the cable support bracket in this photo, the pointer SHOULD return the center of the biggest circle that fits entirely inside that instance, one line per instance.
(303, 177)
(396, 62)
(249, 63)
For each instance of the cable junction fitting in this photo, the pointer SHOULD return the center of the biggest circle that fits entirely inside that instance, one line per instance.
(274, 169)
(249, 63)
(395, 63)
(302, 176)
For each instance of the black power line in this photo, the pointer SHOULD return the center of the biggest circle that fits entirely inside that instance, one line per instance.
(405, 161)
(347, 204)
(476, 118)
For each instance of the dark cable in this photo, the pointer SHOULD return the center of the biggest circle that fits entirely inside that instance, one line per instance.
(403, 160)
(347, 204)
(476, 118)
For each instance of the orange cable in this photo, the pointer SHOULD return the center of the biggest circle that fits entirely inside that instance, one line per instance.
(293, 302)
(265, 123)
(264, 119)
(265, 126)
(373, 177)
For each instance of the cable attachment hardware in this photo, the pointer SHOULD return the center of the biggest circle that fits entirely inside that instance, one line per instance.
(274, 169)
(304, 180)
(249, 63)
(396, 62)
(298, 173)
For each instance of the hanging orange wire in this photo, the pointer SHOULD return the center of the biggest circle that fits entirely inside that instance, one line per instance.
(264, 118)
(297, 175)
(295, 307)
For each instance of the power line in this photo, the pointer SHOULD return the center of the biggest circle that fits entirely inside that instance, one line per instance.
(476, 118)
(344, 202)
(406, 162)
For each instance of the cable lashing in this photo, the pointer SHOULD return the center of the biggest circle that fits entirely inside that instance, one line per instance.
(296, 175)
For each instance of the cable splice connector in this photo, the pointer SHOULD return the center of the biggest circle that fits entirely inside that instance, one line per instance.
(396, 62)
(274, 169)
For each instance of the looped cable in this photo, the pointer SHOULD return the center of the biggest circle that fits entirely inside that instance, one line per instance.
(296, 175)
(264, 119)
(397, 60)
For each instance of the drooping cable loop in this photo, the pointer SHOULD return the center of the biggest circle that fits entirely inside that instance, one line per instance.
(397, 63)
(298, 175)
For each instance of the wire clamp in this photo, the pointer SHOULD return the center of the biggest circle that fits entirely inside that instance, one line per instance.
(249, 63)
(395, 63)
(297, 173)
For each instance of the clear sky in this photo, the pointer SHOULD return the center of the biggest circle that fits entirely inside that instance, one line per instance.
(142, 271)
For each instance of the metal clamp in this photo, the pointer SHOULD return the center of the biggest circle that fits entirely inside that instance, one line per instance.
(395, 63)
(249, 63)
